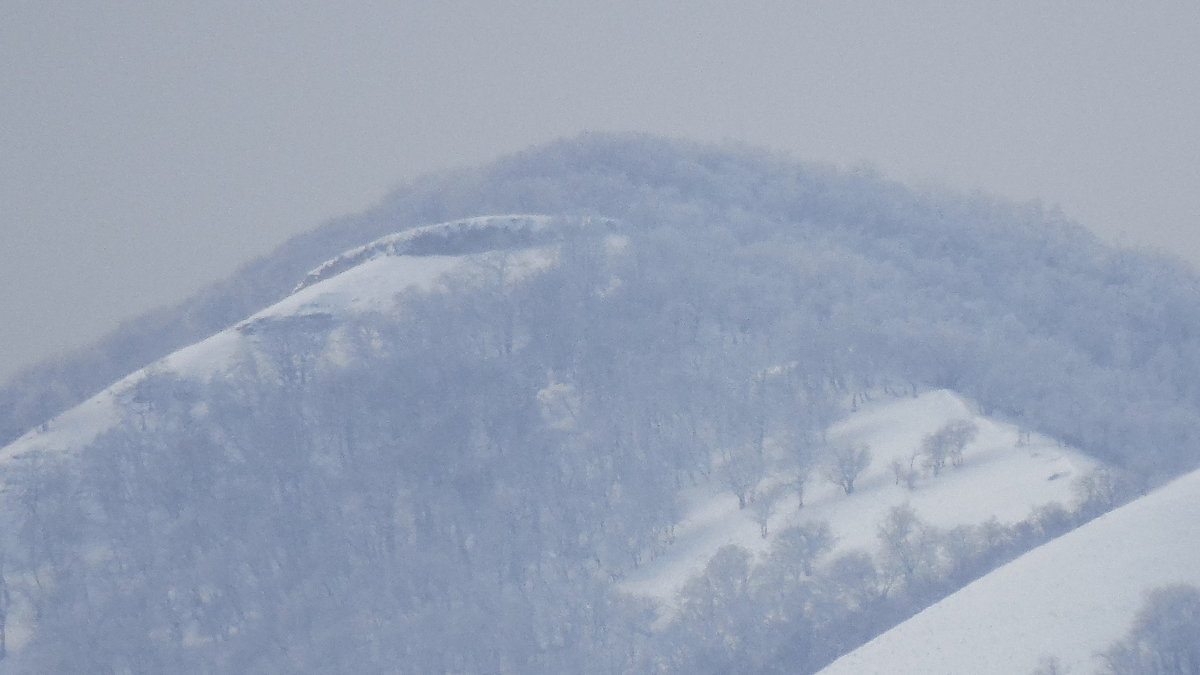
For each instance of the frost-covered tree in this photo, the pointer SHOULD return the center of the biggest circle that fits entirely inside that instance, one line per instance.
(947, 445)
(906, 473)
(1049, 665)
(741, 471)
(797, 548)
(846, 463)
(763, 505)
(1165, 637)
(1101, 490)
(909, 549)
(713, 610)
(855, 582)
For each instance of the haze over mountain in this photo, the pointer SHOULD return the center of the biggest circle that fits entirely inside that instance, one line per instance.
(610, 404)
(149, 151)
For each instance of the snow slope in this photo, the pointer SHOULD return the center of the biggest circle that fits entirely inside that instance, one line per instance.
(999, 479)
(366, 279)
(1070, 598)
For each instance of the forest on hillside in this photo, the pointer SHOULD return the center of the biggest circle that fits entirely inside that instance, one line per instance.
(1098, 328)
(373, 494)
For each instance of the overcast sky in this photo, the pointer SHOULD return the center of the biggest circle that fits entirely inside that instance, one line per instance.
(148, 148)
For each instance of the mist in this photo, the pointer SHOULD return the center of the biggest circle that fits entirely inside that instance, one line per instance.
(148, 151)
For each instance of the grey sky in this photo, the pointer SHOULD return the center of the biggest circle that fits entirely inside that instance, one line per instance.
(148, 148)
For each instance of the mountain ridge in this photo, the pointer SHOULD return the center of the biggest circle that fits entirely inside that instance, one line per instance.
(415, 270)
(477, 234)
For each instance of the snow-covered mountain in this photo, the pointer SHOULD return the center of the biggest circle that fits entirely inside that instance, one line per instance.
(711, 412)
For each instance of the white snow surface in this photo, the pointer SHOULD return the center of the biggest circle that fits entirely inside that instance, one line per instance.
(999, 479)
(1069, 598)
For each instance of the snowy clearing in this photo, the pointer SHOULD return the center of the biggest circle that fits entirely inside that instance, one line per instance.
(998, 479)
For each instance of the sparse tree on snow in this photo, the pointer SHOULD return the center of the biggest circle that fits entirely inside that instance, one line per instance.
(763, 507)
(947, 444)
(741, 472)
(846, 464)
(906, 474)
(907, 549)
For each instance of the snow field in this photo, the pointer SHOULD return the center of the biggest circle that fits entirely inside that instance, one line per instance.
(1069, 598)
(999, 479)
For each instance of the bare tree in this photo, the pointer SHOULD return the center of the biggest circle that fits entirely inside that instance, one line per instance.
(908, 548)
(798, 547)
(906, 474)
(1163, 637)
(801, 459)
(947, 444)
(763, 507)
(741, 472)
(846, 464)
(960, 434)
(1049, 665)
(798, 483)
(1100, 491)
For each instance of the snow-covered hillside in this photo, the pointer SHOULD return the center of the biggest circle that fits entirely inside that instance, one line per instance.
(1005, 474)
(500, 444)
(1070, 598)
(1003, 477)
(368, 279)
(365, 279)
